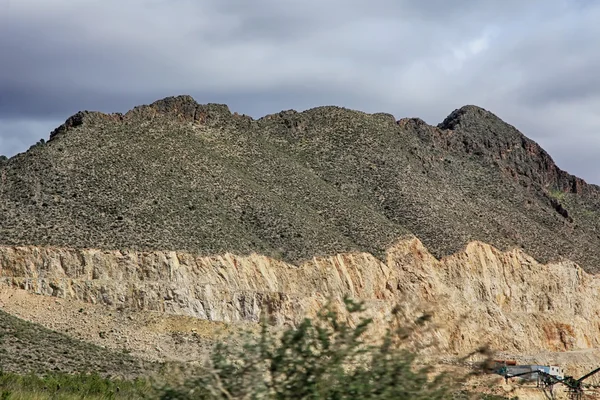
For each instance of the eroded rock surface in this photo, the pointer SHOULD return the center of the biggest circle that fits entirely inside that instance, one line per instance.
(478, 296)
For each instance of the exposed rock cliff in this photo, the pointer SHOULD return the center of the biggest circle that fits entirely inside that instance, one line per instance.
(509, 300)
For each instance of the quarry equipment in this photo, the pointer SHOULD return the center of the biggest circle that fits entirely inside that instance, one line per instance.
(528, 372)
(574, 386)
(545, 381)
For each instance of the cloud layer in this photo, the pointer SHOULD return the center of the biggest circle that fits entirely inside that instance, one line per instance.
(532, 63)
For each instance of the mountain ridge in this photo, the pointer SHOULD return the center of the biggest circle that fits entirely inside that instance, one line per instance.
(180, 175)
(186, 108)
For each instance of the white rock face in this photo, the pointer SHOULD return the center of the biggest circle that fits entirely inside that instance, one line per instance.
(507, 299)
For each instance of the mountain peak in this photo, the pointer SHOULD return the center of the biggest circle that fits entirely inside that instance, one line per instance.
(482, 133)
(182, 107)
(467, 116)
(82, 118)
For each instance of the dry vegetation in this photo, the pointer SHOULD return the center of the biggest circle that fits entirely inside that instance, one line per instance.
(178, 175)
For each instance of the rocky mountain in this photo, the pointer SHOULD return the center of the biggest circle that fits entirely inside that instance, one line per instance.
(178, 175)
(141, 238)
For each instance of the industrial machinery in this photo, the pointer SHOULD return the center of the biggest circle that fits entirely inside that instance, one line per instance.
(545, 381)
(574, 386)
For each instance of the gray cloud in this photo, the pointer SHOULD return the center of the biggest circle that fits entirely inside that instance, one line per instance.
(533, 63)
(18, 135)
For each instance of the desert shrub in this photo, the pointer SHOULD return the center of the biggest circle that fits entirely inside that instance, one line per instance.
(322, 358)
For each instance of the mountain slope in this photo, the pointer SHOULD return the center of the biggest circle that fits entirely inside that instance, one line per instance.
(179, 175)
(26, 347)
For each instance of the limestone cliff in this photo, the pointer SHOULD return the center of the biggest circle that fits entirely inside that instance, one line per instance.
(509, 300)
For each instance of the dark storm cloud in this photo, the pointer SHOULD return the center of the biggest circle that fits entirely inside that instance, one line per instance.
(532, 63)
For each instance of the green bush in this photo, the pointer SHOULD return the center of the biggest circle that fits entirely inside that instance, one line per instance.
(325, 358)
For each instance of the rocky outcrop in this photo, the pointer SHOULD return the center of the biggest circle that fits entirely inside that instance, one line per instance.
(480, 132)
(479, 295)
(182, 108)
(83, 117)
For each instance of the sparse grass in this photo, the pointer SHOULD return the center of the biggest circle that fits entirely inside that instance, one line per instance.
(557, 194)
(58, 386)
(26, 347)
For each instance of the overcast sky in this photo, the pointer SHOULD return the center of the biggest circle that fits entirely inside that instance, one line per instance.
(534, 63)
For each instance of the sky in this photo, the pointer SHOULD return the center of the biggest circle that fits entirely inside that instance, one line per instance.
(533, 63)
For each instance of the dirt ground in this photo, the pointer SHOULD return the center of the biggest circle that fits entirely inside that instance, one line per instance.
(148, 335)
